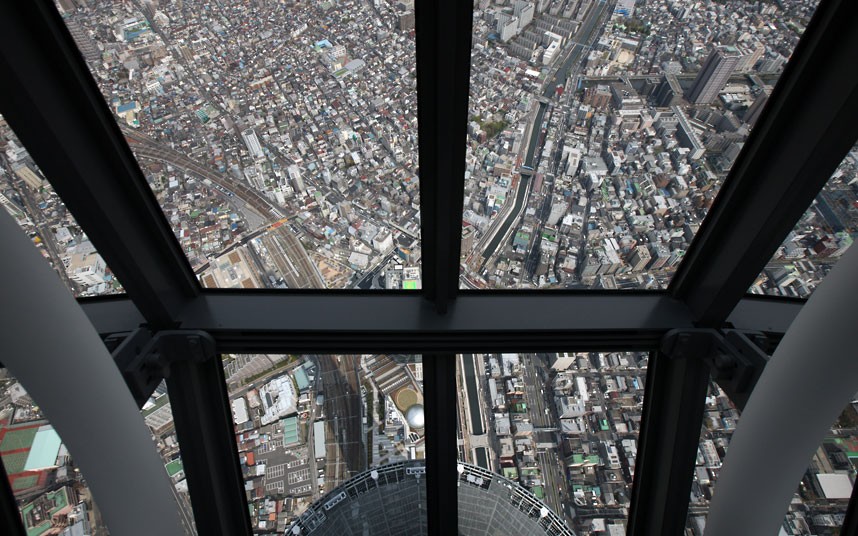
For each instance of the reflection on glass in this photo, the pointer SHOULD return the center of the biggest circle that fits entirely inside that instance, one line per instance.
(820, 502)
(50, 490)
(38, 210)
(600, 132)
(321, 437)
(280, 138)
(818, 240)
(561, 428)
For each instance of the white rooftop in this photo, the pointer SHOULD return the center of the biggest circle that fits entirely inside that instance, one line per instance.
(835, 485)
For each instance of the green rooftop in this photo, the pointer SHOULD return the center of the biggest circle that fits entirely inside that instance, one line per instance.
(14, 463)
(580, 458)
(18, 438)
(290, 431)
(301, 379)
(56, 501)
(158, 404)
(24, 482)
(174, 467)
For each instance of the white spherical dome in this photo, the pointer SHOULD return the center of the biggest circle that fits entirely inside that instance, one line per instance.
(415, 417)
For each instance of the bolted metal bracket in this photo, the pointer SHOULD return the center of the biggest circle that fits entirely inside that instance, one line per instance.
(735, 357)
(144, 358)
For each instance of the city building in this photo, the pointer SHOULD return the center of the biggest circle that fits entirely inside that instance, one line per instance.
(713, 75)
(624, 8)
(251, 140)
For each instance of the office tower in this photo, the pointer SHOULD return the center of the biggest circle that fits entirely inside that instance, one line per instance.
(406, 20)
(524, 12)
(507, 28)
(639, 258)
(713, 75)
(83, 40)
(749, 56)
(66, 6)
(669, 92)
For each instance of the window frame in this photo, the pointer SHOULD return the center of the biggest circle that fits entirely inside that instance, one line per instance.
(52, 102)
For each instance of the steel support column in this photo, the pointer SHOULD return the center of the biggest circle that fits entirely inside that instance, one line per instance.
(444, 29)
(667, 447)
(204, 426)
(439, 388)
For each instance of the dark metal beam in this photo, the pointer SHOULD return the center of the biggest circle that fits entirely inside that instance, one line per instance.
(114, 314)
(344, 322)
(54, 106)
(444, 29)
(804, 132)
(203, 419)
(766, 314)
(672, 417)
(339, 322)
(439, 388)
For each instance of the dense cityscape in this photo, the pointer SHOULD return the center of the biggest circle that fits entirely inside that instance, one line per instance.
(283, 146)
(564, 427)
(600, 134)
(281, 140)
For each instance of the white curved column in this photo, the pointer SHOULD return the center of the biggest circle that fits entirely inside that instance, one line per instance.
(50, 346)
(811, 377)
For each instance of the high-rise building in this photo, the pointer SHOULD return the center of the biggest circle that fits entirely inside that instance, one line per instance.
(713, 75)
(669, 92)
(406, 20)
(84, 42)
(508, 28)
(749, 56)
(294, 173)
(66, 6)
(524, 12)
(639, 258)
